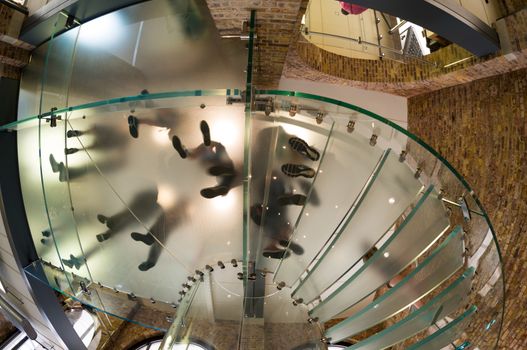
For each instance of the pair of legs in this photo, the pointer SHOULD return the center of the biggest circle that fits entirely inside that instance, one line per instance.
(143, 206)
(157, 234)
(214, 156)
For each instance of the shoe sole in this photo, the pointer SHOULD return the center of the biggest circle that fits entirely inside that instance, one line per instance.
(277, 255)
(176, 143)
(221, 170)
(132, 126)
(214, 192)
(73, 133)
(204, 127)
(53, 163)
(303, 148)
(296, 199)
(295, 170)
(295, 248)
(141, 238)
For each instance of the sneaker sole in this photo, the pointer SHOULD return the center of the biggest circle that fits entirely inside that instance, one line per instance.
(176, 143)
(296, 199)
(295, 248)
(132, 126)
(214, 192)
(204, 127)
(295, 170)
(303, 148)
(277, 255)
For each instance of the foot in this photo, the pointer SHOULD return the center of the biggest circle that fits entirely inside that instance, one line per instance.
(46, 233)
(294, 199)
(276, 253)
(102, 219)
(215, 191)
(103, 237)
(73, 133)
(133, 126)
(221, 170)
(295, 170)
(303, 148)
(176, 142)
(68, 263)
(75, 261)
(295, 248)
(44, 241)
(53, 163)
(70, 150)
(145, 266)
(256, 214)
(63, 172)
(146, 239)
(204, 127)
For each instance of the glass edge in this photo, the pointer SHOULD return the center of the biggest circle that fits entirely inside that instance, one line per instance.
(58, 290)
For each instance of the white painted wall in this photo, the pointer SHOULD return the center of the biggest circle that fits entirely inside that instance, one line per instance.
(388, 106)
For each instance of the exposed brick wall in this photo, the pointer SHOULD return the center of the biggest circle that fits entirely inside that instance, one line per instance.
(14, 54)
(278, 23)
(481, 128)
(296, 68)
(513, 5)
(382, 71)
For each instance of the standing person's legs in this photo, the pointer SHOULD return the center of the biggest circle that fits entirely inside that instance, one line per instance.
(158, 230)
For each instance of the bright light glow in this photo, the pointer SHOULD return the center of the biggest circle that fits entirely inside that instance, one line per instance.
(391, 200)
(104, 31)
(386, 254)
(166, 196)
(228, 242)
(2, 288)
(223, 203)
(307, 214)
(227, 132)
(160, 136)
(336, 206)
(228, 295)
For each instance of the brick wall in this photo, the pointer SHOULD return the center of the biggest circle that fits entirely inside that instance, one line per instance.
(481, 128)
(278, 23)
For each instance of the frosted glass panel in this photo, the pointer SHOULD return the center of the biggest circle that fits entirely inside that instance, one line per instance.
(449, 300)
(140, 204)
(446, 335)
(422, 227)
(280, 147)
(393, 190)
(348, 163)
(435, 269)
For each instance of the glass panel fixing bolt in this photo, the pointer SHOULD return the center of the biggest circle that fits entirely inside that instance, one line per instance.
(373, 140)
(351, 126)
(320, 117)
(402, 156)
(298, 301)
(292, 110)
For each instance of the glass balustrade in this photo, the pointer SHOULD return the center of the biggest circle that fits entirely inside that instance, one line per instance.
(289, 219)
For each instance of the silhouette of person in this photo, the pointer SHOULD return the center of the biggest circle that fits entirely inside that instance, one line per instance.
(214, 157)
(158, 233)
(143, 206)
